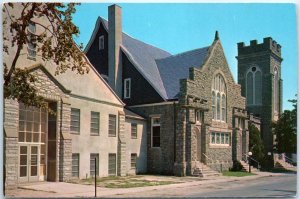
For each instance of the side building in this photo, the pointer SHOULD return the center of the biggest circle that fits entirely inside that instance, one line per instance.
(90, 124)
(194, 110)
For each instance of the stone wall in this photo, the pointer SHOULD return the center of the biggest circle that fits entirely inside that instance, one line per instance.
(160, 159)
(266, 56)
(10, 150)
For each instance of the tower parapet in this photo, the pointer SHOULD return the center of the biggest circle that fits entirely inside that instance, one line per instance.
(268, 45)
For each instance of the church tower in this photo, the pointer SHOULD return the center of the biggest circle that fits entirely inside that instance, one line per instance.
(259, 74)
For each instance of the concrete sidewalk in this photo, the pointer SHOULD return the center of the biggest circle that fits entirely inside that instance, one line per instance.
(62, 189)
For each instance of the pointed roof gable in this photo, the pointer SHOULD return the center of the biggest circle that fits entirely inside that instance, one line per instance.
(161, 69)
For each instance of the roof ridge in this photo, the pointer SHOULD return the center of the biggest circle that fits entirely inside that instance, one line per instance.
(183, 53)
(123, 32)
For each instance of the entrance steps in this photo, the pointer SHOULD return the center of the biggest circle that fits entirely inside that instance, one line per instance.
(203, 170)
(285, 165)
(246, 167)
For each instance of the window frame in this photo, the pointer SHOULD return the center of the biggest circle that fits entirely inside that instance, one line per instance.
(101, 42)
(109, 126)
(133, 156)
(220, 139)
(31, 45)
(219, 98)
(112, 171)
(276, 90)
(77, 165)
(254, 92)
(71, 125)
(134, 135)
(92, 169)
(127, 95)
(91, 123)
(154, 124)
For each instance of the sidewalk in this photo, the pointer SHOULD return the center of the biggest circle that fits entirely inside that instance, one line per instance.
(62, 189)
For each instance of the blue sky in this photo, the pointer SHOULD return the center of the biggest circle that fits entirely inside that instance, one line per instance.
(180, 27)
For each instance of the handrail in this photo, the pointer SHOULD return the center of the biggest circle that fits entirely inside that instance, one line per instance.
(249, 157)
(212, 161)
(289, 160)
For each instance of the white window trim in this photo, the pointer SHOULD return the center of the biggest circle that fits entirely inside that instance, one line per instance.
(219, 144)
(127, 95)
(101, 42)
(153, 125)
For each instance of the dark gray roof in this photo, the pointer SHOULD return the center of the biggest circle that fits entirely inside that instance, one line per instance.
(176, 67)
(144, 56)
(161, 69)
(132, 115)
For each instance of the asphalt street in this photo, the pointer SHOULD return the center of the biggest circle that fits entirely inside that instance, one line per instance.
(265, 187)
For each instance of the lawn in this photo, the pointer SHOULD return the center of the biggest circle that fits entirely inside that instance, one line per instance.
(123, 182)
(237, 173)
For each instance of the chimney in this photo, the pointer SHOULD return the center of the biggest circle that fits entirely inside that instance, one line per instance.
(114, 54)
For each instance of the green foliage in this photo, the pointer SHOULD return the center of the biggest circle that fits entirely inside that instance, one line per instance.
(285, 131)
(237, 166)
(53, 43)
(256, 145)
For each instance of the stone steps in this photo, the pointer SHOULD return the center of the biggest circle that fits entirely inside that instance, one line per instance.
(284, 165)
(246, 167)
(204, 171)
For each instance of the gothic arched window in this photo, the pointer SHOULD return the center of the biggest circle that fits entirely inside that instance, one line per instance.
(254, 86)
(219, 98)
(276, 87)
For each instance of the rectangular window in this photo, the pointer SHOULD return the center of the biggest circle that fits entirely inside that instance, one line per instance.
(133, 130)
(75, 120)
(155, 122)
(95, 116)
(226, 138)
(133, 161)
(217, 138)
(75, 164)
(31, 45)
(220, 138)
(199, 116)
(94, 156)
(101, 42)
(127, 88)
(213, 137)
(112, 164)
(112, 126)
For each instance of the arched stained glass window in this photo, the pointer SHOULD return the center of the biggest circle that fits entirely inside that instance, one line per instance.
(213, 105)
(276, 91)
(254, 86)
(219, 98)
(223, 108)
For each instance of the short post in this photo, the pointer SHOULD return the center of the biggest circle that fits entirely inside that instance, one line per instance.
(95, 177)
(249, 154)
(221, 167)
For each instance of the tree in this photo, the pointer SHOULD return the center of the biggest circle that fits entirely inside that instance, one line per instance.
(54, 43)
(256, 145)
(285, 130)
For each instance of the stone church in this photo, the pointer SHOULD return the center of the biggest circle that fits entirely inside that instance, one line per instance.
(196, 114)
(146, 110)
